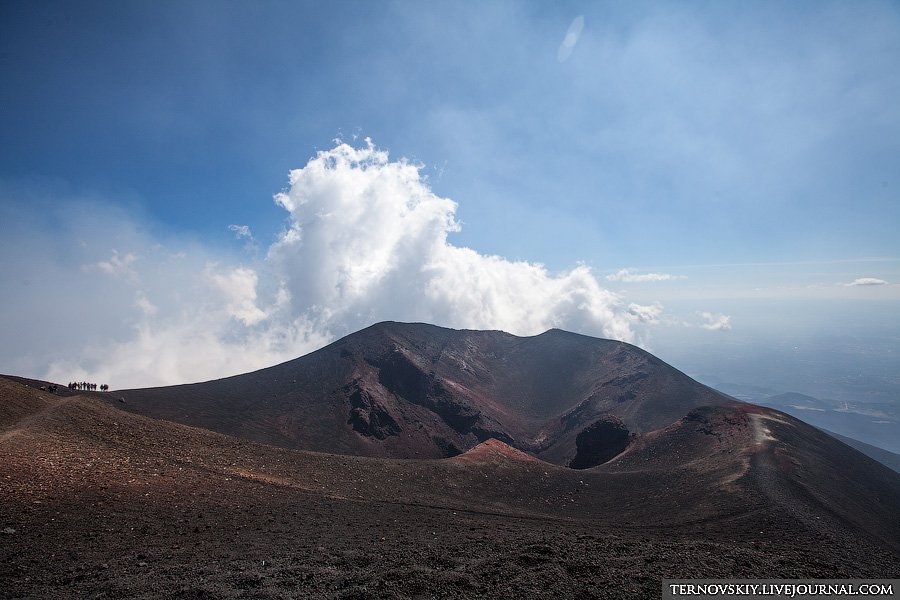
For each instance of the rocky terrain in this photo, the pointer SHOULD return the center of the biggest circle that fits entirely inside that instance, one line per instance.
(412, 390)
(103, 498)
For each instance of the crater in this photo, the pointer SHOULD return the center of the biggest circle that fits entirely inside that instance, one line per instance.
(600, 442)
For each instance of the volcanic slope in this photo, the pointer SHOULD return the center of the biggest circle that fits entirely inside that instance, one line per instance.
(96, 501)
(414, 390)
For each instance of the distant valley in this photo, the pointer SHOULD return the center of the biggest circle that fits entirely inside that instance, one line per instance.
(874, 423)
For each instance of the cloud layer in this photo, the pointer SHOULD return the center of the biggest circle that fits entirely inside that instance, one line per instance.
(570, 39)
(366, 239)
(631, 276)
(865, 281)
(715, 321)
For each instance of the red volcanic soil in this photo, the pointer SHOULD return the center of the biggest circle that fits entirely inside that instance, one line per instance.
(99, 502)
(494, 451)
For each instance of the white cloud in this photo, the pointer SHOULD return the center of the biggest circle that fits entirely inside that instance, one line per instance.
(715, 321)
(116, 265)
(646, 313)
(366, 240)
(241, 231)
(631, 276)
(143, 303)
(238, 286)
(865, 281)
(570, 39)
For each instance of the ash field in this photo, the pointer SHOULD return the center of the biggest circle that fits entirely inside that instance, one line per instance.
(412, 461)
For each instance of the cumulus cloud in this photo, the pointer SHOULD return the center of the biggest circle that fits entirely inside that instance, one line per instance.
(865, 281)
(631, 276)
(715, 321)
(570, 39)
(366, 239)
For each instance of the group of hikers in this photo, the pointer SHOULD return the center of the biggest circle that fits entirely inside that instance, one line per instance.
(87, 387)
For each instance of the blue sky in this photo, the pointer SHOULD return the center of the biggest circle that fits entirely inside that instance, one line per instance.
(742, 160)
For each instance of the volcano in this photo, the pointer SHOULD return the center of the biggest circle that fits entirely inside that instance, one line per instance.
(419, 391)
(408, 460)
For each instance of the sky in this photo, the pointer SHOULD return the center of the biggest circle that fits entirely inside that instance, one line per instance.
(190, 190)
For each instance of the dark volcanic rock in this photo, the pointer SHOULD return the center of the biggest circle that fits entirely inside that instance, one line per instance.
(368, 416)
(599, 443)
(407, 381)
(413, 390)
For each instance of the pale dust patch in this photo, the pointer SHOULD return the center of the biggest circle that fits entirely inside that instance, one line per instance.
(9, 434)
(729, 482)
(245, 474)
(284, 482)
(761, 433)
